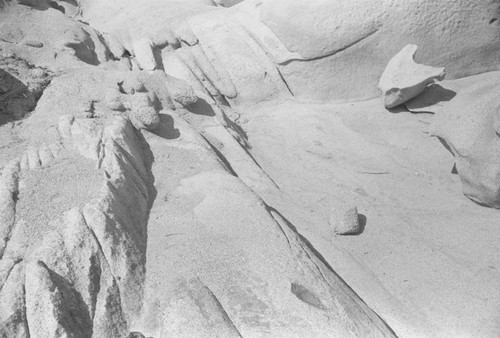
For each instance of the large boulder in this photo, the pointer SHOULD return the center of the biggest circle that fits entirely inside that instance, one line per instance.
(469, 126)
(403, 79)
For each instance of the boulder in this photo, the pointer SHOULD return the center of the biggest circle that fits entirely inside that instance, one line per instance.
(344, 218)
(469, 127)
(404, 79)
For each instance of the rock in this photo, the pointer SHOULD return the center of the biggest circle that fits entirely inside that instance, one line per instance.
(53, 308)
(469, 127)
(113, 100)
(143, 114)
(403, 79)
(181, 91)
(143, 50)
(12, 306)
(133, 84)
(344, 219)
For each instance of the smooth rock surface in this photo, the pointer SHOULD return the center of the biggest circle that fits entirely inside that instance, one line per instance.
(469, 127)
(170, 168)
(403, 79)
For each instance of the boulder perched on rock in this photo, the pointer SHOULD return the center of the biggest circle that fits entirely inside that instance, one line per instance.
(403, 78)
(469, 126)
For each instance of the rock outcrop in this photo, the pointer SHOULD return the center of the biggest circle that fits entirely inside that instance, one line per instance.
(403, 79)
(132, 203)
(469, 127)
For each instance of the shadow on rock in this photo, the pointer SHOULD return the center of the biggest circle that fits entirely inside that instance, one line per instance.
(167, 129)
(15, 98)
(431, 97)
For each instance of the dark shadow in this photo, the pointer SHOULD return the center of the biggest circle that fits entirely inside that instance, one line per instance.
(236, 127)
(446, 145)
(201, 107)
(432, 95)
(167, 129)
(42, 5)
(398, 109)
(221, 157)
(454, 170)
(75, 316)
(71, 2)
(158, 58)
(58, 7)
(16, 100)
(85, 50)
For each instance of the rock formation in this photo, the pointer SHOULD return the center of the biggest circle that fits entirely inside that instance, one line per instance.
(403, 79)
(469, 126)
(177, 168)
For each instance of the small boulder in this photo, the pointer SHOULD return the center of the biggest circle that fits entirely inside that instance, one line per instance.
(181, 91)
(143, 114)
(344, 219)
(404, 79)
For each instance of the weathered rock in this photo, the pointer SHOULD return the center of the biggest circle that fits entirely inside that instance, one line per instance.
(143, 49)
(469, 126)
(52, 306)
(143, 114)
(344, 218)
(12, 305)
(403, 79)
(195, 311)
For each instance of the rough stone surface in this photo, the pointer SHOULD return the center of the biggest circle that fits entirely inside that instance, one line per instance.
(344, 219)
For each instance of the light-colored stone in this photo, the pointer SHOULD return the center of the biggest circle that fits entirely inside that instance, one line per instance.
(344, 219)
(404, 79)
(469, 126)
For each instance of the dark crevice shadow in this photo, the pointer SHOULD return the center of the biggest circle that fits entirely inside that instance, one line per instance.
(76, 317)
(236, 127)
(158, 58)
(148, 160)
(221, 157)
(167, 129)
(85, 50)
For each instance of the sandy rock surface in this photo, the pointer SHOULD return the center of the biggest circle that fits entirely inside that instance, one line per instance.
(187, 168)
